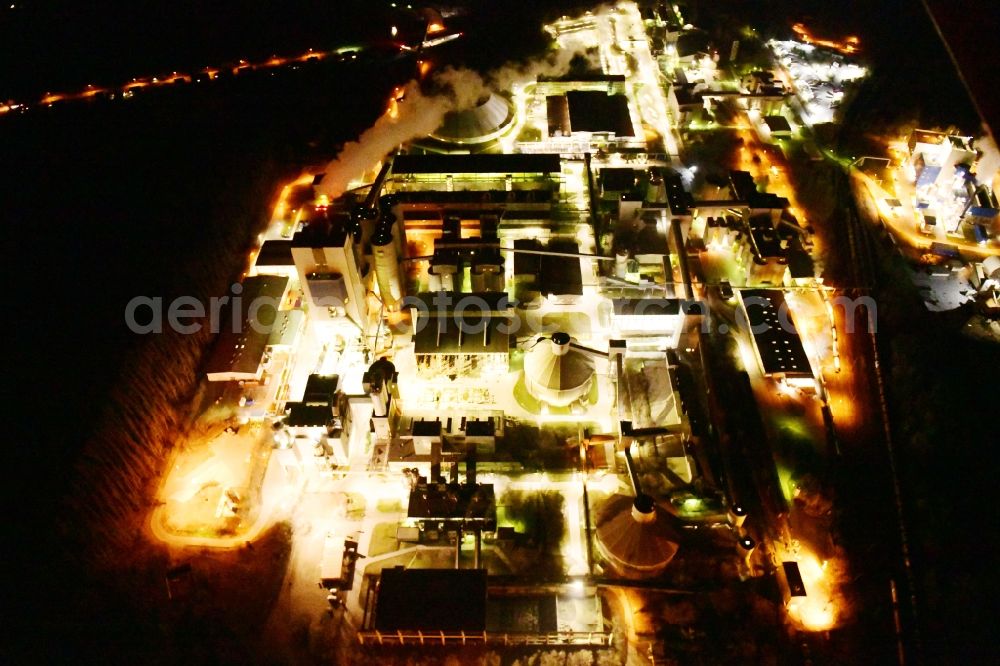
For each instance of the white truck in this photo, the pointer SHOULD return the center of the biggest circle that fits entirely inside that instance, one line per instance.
(337, 564)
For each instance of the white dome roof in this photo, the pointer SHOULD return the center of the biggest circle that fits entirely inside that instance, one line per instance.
(557, 373)
(479, 124)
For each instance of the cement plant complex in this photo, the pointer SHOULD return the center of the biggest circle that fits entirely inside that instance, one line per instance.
(536, 364)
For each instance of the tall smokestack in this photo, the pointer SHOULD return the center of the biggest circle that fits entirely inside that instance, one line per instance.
(386, 261)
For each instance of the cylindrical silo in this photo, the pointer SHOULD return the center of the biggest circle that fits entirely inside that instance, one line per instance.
(621, 264)
(745, 547)
(444, 267)
(386, 261)
(737, 515)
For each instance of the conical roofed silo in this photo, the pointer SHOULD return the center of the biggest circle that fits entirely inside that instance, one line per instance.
(556, 373)
(636, 535)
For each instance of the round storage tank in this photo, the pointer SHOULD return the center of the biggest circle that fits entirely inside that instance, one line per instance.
(636, 536)
(556, 373)
(488, 119)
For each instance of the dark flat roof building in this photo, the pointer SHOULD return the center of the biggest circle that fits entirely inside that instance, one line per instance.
(316, 409)
(561, 276)
(239, 351)
(424, 428)
(275, 253)
(776, 341)
(745, 189)
(777, 124)
(444, 335)
(793, 577)
(800, 265)
(626, 307)
(527, 263)
(767, 243)
(484, 428)
(541, 163)
(678, 199)
(301, 415)
(451, 323)
(617, 179)
(320, 389)
(597, 111)
(431, 600)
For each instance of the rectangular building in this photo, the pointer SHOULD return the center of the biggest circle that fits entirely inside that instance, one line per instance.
(468, 335)
(330, 273)
(431, 600)
(246, 325)
(776, 342)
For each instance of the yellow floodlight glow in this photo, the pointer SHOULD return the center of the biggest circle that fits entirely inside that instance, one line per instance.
(817, 611)
(815, 617)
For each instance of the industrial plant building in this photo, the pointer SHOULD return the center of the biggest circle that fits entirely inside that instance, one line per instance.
(501, 324)
(776, 342)
(246, 326)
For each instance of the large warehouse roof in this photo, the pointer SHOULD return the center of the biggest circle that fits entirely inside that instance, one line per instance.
(596, 111)
(463, 323)
(776, 341)
(240, 348)
(275, 253)
(431, 600)
(561, 275)
(479, 163)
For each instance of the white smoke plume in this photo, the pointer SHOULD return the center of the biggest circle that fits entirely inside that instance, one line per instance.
(556, 63)
(420, 111)
(416, 115)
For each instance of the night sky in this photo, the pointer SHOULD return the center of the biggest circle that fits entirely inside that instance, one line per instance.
(970, 29)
